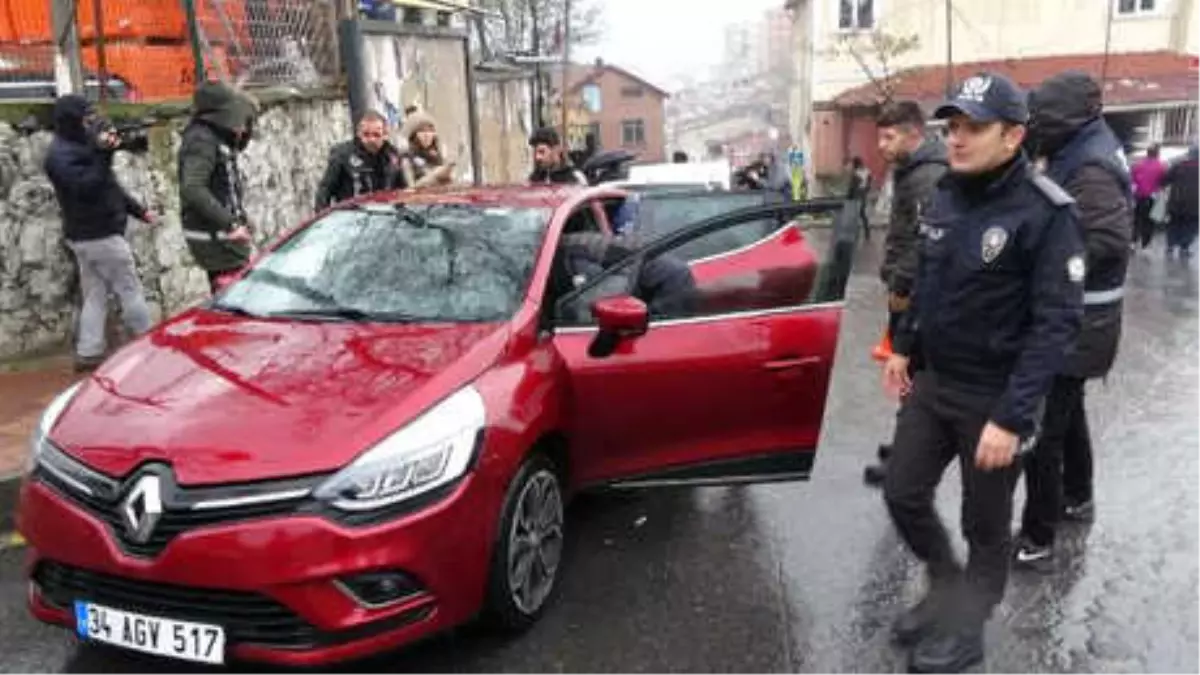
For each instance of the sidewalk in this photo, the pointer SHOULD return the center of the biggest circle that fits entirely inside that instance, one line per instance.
(25, 390)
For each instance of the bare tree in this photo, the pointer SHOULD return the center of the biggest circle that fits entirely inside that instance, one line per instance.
(535, 26)
(877, 52)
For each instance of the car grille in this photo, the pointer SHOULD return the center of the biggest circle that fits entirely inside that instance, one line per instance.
(173, 522)
(246, 617)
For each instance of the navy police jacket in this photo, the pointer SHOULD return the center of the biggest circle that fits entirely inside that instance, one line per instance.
(999, 289)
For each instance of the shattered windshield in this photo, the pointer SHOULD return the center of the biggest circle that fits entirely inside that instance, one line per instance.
(425, 263)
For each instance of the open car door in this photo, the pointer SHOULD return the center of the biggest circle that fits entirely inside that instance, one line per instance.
(705, 356)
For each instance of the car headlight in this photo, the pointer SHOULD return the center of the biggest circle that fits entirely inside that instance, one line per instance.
(68, 471)
(40, 439)
(431, 451)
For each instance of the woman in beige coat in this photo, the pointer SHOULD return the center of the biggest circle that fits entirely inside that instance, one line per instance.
(424, 164)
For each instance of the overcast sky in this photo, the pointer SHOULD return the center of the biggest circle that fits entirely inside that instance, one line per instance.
(648, 38)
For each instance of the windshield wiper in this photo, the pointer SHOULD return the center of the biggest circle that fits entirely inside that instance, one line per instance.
(345, 314)
(236, 310)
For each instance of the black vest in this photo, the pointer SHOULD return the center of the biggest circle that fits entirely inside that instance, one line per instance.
(1096, 145)
(1096, 349)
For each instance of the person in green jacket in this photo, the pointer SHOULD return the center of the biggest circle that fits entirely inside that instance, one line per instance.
(215, 225)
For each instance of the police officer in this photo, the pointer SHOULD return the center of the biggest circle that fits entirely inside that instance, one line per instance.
(367, 164)
(997, 303)
(1085, 157)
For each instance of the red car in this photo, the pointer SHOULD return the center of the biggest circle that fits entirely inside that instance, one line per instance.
(370, 434)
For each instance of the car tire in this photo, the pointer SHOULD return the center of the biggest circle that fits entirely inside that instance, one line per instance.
(527, 556)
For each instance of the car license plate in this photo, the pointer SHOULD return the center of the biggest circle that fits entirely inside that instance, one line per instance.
(200, 642)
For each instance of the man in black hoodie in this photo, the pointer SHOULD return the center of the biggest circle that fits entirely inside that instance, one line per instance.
(215, 223)
(95, 209)
(1084, 156)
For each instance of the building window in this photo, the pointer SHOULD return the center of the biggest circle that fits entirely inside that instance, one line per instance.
(594, 131)
(632, 92)
(858, 14)
(1136, 7)
(633, 133)
(591, 98)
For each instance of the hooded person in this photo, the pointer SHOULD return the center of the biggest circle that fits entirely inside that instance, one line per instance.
(1084, 156)
(215, 225)
(95, 210)
(367, 164)
(424, 162)
(1183, 213)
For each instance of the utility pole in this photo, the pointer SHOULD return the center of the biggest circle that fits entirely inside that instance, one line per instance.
(189, 8)
(101, 55)
(1108, 22)
(566, 38)
(68, 71)
(950, 48)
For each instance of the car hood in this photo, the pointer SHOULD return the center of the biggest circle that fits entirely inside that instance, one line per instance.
(226, 399)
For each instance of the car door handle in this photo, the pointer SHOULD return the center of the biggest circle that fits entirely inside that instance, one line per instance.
(791, 363)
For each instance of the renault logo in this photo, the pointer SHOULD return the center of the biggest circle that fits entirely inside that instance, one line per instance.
(142, 509)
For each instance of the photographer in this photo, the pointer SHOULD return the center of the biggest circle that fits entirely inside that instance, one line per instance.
(95, 209)
(210, 186)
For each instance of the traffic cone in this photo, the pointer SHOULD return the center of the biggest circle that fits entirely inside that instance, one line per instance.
(883, 351)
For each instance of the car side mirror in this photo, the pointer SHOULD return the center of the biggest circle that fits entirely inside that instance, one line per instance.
(619, 318)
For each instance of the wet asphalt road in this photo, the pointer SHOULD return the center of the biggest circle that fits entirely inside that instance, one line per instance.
(808, 576)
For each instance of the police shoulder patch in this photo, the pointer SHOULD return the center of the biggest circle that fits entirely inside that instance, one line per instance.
(1052, 191)
(1076, 269)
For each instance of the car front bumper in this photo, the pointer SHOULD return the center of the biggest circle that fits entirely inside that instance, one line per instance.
(274, 584)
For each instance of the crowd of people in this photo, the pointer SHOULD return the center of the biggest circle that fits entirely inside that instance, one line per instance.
(1004, 267)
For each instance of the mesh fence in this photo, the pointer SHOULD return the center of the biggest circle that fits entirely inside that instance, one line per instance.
(146, 49)
(26, 57)
(269, 42)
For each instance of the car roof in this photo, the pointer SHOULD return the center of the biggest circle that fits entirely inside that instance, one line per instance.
(516, 195)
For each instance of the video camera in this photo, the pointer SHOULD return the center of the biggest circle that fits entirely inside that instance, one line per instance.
(133, 137)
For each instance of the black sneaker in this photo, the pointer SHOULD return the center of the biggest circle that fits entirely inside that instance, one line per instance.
(875, 474)
(920, 620)
(1079, 512)
(885, 451)
(86, 364)
(1031, 555)
(951, 649)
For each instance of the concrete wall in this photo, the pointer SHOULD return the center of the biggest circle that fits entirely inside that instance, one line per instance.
(281, 169)
(504, 129)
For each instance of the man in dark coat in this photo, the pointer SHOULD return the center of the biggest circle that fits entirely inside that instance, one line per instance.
(1183, 215)
(367, 164)
(215, 225)
(918, 163)
(95, 210)
(550, 161)
(1084, 156)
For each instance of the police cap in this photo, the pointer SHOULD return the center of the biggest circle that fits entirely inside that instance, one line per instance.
(987, 97)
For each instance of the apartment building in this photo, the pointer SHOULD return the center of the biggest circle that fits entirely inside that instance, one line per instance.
(1144, 50)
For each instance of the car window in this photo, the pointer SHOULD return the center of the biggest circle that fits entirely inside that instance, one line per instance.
(443, 262)
(796, 274)
(663, 214)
